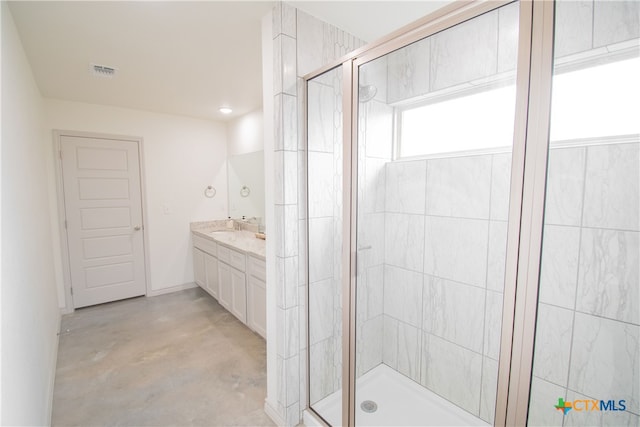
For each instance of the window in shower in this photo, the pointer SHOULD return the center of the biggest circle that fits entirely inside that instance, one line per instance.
(433, 127)
(591, 103)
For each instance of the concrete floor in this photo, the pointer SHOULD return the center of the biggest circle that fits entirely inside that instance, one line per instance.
(174, 360)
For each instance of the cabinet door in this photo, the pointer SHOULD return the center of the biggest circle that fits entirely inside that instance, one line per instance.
(239, 292)
(224, 285)
(199, 271)
(211, 267)
(257, 306)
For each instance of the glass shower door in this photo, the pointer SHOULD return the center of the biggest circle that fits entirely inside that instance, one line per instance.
(434, 143)
(587, 352)
(324, 210)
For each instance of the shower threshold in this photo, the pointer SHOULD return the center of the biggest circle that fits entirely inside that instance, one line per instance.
(400, 402)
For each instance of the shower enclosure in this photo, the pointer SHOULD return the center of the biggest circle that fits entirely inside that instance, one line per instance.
(473, 221)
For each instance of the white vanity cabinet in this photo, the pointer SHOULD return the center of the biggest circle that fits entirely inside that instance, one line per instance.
(232, 281)
(257, 295)
(211, 270)
(239, 295)
(232, 273)
(199, 272)
(224, 280)
(205, 265)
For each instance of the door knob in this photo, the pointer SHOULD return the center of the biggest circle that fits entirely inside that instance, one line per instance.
(136, 228)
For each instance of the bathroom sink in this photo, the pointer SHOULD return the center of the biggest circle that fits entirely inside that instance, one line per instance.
(221, 232)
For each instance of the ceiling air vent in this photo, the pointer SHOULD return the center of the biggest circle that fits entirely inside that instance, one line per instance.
(103, 71)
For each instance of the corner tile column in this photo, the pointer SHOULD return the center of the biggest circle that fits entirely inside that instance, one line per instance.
(301, 44)
(286, 212)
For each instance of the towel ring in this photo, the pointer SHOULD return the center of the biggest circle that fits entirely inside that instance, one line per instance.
(210, 192)
(245, 191)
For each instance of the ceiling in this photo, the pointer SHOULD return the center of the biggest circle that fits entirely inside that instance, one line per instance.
(176, 57)
(369, 20)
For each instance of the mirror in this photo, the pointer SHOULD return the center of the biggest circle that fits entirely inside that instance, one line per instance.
(246, 185)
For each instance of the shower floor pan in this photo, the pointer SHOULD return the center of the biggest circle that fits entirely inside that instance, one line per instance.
(400, 402)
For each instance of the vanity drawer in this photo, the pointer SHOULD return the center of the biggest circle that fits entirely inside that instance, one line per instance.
(224, 254)
(237, 259)
(232, 257)
(205, 245)
(257, 268)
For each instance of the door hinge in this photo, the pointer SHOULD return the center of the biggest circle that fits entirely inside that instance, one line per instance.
(60, 154)
(65, 224)
(72, 291)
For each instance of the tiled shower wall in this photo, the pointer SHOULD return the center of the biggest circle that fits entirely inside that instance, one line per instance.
(589, 302)
(588, 333)
(301, 44)
(445, 228)
(375, 127)
(445, 231)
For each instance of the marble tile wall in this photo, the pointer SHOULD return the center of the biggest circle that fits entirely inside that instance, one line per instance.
(585, 25)
(375, 151)
(445, 238)
(444, 271)
(588, 333)
(301, 44)
(588, 330)
(423, 340)
(429, 65)
(474, 50)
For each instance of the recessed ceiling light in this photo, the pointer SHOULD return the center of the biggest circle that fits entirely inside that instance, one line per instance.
(225, 110)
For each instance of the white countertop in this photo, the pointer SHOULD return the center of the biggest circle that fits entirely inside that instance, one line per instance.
(245, 241)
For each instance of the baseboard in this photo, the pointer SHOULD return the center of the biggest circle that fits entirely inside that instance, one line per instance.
(52, 370)
(273, 414)
(178, 288)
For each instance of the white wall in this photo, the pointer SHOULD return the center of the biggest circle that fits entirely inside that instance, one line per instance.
(181, 157)
(30, 315)
(245, 134)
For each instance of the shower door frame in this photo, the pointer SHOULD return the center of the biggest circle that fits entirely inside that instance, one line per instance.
(526, 203)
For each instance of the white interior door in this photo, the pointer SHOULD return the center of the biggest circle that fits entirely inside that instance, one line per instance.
(103, 206)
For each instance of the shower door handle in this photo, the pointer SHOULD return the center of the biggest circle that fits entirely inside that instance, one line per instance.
(364, 248)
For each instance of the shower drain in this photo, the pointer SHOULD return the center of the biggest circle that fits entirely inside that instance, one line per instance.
(369, 406)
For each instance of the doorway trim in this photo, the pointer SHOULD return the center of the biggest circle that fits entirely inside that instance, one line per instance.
(64, 245)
